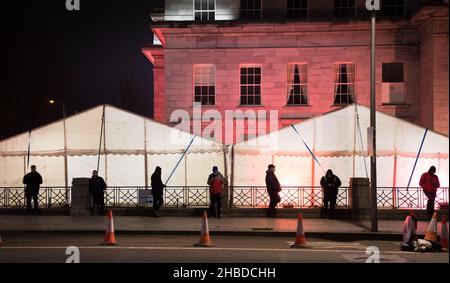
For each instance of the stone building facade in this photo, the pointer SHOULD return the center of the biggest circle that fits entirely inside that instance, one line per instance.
(302, 58)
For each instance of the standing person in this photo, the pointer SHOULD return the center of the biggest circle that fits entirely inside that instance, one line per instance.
(330, 184)
(157, 190)
(429, 182)
(215, 182)
(273, 189)
(97, 187)
(32, 180)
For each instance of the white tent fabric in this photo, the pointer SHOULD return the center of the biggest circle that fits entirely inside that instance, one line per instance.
(335, 140)
(129, 144)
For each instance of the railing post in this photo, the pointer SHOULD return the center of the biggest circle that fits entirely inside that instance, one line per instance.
(359, 198)
(81, 198)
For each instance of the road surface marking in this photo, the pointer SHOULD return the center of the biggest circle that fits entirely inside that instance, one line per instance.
(199, 249)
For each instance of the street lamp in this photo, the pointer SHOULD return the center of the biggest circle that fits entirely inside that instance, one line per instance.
(373, 6)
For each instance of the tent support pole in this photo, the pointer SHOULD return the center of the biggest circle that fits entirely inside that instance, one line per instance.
(101, 138)
(312, 180)
(394, 181)
(104, 149)
(66, 174)
(232, 177)
(145, 154)
(225, 169)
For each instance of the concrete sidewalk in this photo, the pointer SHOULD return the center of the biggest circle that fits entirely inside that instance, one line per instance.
(316, 228)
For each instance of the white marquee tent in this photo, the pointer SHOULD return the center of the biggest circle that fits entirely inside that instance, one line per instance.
(338, 144)
(130, 148)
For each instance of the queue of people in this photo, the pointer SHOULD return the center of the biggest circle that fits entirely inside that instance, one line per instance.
(330, 184)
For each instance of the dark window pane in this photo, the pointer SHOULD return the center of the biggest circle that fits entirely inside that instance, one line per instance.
(258, 80)
(211, 16)
(251, 90)
(257, 4)
(257, 90)
(198, 98)
(244, 4)
(204, 4)
(290, 14)
(243, 71)
(243, 90)
(197, 4)
(243, 100)
(204, 90)
(291, 99)
(251, 71)
(392, 72)
(257, 71)
(212, 100)
(258, 100)
(251, 79)
(198, 90)
(304, 100)
(304, 4)
(251, 100)
(211, 5)
(290, 4)
(198, 16)
(243, 79)
(211, 90)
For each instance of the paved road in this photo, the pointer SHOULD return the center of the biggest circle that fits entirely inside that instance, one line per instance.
(180, 249)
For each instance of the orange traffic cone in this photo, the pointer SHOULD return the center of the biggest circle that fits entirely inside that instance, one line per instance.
(431, 234)
(110, 239)
(205, 240)
(409, 230)
(300, 241)
(444, 234)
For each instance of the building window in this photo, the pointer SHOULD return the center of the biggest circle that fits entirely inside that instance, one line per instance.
(393, 8)
(344, 83)
(205, 84)
(204, 10)
(297, 84)
(297, 9)
(393, 88)
(251, 9)
(251, 85)
(344, 8)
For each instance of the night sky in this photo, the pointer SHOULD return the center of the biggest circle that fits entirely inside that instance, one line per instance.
(82, 58)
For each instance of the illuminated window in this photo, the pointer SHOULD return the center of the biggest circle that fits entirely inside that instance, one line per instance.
(204, 10)
(393, 8)
(251, 9)
(297, 9)
(205, 84)
(297, 84)
(251, 85)
(344, 83)
(344, 8)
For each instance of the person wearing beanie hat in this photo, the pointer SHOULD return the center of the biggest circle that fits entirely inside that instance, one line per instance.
(216, 182)
(157, 190)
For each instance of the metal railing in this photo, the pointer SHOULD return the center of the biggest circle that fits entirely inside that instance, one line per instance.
(49, 197)
(403, 198)
(295, 197)
(242, 197)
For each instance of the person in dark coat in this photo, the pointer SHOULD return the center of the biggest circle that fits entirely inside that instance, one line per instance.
(330, 184)
(215, 182)
(429, 182)
(157, 190)
(97, 187)
(273, 189)
(32, 180)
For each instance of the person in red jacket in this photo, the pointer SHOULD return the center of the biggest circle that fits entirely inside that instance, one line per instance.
(216, 182)
(429, 182)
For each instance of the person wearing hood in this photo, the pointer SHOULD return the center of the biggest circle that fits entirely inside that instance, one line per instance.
(273, 189)
(429, 182)
(215, 182)
(330, 184)
(157, 190)
(97, 188)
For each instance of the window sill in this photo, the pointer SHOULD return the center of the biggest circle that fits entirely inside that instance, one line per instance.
(392, 104)
(298, 105)
(251, 105)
